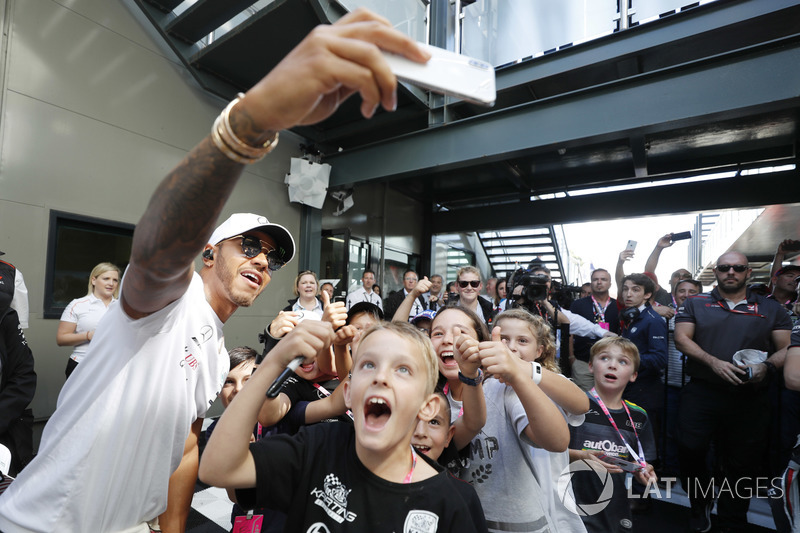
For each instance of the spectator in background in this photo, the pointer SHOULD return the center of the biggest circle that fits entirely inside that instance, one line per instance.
(717, 404)
(435, 296)
(305, 306)
(674, 379)
(586, 290)
(449, 289)
(13, 292)
(491, 289)
(784, 287)
(376, 289)
(327, 287)
(365, 292)
(652, 262)
(786, 245)
(306, 286)
(391, 304)
(661, 301)
(601, 309)
(17, 387)
(641, 325)
(81, 316)
(468, 285)
(500, 300)
(784, 402)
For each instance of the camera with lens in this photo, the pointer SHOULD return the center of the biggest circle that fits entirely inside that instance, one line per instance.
(534, 289)
(526, 288)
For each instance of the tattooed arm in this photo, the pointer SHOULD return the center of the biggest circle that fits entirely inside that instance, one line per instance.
(328, 66)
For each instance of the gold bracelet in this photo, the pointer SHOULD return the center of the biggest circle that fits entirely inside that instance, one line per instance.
(229, 143)
(225, 149)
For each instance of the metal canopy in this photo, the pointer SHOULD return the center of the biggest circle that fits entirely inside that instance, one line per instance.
(714, 87)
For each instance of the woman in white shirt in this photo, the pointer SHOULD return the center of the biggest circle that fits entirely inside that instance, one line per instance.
(306, 288)
(81, 316)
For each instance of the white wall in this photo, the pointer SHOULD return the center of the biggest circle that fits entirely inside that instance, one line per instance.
(94, 113)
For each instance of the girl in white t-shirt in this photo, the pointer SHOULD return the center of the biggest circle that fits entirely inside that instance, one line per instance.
(531, 338)
(517, 416)
(81, 316)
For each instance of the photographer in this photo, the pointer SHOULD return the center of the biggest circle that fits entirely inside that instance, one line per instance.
(530, 289)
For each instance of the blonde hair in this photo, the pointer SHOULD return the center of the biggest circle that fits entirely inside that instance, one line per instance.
(421, 343)
(297, 281)
(541, 331)
(468, 270)
(100, 269)
(627, 347)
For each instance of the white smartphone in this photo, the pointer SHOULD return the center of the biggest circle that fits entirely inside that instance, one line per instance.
(631, 246)
(448, 73)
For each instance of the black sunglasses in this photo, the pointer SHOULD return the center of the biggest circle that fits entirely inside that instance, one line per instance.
(736, 268)
(474, 283)
(252, 246)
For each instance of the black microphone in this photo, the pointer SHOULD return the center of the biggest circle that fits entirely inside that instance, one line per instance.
(276, 386)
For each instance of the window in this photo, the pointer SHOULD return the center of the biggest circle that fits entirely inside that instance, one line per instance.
(75, 245)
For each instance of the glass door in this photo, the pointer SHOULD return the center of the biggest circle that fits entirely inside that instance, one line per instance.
(334, 260)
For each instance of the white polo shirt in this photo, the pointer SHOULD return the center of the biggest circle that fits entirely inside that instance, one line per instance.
(121, 421)
(85, 313)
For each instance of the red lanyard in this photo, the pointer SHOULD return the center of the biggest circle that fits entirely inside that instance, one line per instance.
(326, 392)
(445, 390)
(638, 458)
(736, 311)
(601, 310)
(413, 466)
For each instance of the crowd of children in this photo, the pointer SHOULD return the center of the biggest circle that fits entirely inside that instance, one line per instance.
(437, 427)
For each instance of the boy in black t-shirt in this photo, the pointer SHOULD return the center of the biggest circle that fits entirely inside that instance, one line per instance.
(342, 477)
(615, 437)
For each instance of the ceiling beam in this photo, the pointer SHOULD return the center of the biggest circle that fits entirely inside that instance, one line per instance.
(737, 84)
(762, 189)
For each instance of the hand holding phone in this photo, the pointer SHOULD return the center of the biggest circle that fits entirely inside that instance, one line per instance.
(631, 246)
(681, 236)
(448, 73)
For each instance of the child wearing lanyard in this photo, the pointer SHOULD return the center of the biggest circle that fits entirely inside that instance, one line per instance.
(615, 438)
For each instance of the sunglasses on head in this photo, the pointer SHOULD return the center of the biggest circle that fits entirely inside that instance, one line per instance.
(252, 246)
(464, 284)
(736, 268)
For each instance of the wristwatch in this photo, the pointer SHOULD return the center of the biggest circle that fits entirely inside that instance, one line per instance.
(472, 382)
(536, 372)
(771, 368)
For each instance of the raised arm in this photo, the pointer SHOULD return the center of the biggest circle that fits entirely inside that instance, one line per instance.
(652, 261)
(401, 315)
(336, 314)
(227, 461)
(329, 65)
(564, 393)
(473, 401)
(619, 272)
(780, 255)
(546, 426)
